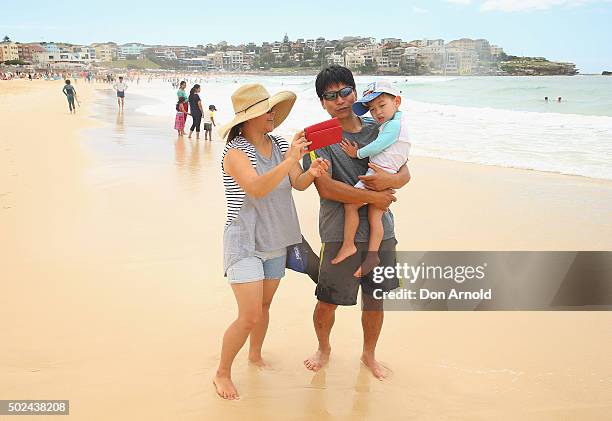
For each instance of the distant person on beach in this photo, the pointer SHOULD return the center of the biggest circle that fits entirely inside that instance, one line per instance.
(559, 99)
(546, 98)
(195, 104)
(181, 92)
(389, 151)
(209, 122)
(70, 93)
(181, 116)
(259, 171)
(337, 285)
(120, 87)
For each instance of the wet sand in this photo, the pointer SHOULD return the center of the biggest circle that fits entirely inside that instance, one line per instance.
(113, 295)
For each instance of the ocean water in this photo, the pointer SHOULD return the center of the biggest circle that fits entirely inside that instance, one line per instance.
(502, 121)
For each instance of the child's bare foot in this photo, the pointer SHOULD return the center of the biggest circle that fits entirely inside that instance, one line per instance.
(225, 387)
(344, 252)
(317, 361)
(371, 261)
(374, 366)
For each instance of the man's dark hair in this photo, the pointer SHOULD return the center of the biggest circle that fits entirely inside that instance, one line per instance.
(333, 75)
(67, 81)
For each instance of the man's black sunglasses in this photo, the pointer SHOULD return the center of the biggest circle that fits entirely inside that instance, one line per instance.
(344, 92)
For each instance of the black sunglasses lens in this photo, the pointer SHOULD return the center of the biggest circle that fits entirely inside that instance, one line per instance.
(344, 92)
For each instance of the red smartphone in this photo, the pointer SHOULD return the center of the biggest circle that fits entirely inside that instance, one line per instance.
(323, 134)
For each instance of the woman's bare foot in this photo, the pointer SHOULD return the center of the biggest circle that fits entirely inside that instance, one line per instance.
(225, 387)
(374, 366)
(344, 252)
(259, 362)
(371, 261)
(318, 360)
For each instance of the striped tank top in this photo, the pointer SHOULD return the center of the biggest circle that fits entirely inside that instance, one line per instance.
(234, 195)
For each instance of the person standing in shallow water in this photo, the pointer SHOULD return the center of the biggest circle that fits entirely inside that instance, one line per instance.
(120, 87)
(181, 93)
(259, 171)
(195, 104)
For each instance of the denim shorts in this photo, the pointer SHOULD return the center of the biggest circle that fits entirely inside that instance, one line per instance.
(262, 266)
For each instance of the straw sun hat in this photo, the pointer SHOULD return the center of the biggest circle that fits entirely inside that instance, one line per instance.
(253, 100)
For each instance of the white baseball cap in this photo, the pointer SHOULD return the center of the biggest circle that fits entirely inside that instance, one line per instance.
(373, 91)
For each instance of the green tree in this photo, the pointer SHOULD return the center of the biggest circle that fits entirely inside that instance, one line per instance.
(6, 38)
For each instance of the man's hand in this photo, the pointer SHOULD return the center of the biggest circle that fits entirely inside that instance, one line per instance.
(350, 148)
(384, 199)
(380, 180)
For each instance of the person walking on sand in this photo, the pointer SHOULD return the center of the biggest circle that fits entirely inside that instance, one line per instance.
(337, 285)
(195, 104)
(120, 87)
(259, 171)
(70, 93)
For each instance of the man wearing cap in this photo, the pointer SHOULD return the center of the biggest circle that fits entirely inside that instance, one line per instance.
(337, 285)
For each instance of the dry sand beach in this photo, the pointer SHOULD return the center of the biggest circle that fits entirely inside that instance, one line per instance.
(113, 297)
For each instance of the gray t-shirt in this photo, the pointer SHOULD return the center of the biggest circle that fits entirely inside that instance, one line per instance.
(346, 169)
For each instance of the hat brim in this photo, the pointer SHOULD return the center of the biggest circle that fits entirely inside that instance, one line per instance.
(360, 107)
(281, 101)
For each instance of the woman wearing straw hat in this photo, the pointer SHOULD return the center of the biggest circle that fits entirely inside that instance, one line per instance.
(259, 171)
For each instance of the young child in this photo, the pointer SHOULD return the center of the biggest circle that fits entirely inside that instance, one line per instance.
(389, 151)
(209, 122)
(181, 116)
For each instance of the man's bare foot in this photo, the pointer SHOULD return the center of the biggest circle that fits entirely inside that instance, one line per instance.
(374, 366)
(344, 252)
(225, 387)
(371, 261)
(317, 361)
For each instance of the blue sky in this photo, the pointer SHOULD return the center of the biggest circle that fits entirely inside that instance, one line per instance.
(567, 30)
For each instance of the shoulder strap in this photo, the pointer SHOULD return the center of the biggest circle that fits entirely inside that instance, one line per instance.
(282, 144)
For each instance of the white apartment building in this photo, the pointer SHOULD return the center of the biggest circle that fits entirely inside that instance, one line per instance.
(133, 49)
(335, 58)
(233, 60)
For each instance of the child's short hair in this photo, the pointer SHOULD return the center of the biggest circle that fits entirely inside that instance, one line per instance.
(67, 81)
(334, 74)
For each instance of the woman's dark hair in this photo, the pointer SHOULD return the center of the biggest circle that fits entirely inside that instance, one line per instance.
(234, 131)
(333, 75)
(67, 81)
(182, 83)
(192, 91)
